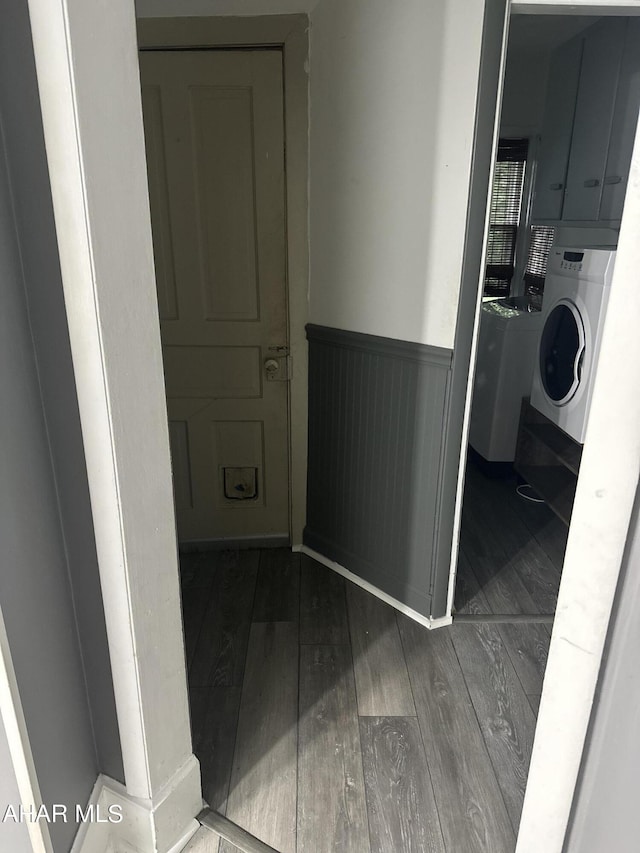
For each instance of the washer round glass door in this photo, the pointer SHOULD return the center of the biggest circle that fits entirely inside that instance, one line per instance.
(562, 347)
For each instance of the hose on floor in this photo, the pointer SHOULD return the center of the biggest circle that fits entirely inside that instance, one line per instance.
(528, 497)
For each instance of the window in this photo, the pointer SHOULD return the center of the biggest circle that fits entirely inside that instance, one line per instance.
(540, 242)
(504, 216)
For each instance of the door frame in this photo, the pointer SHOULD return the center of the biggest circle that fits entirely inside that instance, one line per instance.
(74, 56)
(609, 470)
(289, 33)
(89, 89)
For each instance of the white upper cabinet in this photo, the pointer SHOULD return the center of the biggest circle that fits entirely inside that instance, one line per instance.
(623, 128)
(562, 91)
(592, 123)
(591, 112)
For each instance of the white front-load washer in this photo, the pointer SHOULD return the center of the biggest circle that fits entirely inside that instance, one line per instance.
(576, 293)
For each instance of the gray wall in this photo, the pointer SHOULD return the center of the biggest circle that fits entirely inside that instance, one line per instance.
(605, 811)
(49, 586)
(376, 409)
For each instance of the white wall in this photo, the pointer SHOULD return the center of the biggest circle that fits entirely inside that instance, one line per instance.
(393, 90)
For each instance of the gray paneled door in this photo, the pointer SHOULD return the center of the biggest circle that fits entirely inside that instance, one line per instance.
(215, 154)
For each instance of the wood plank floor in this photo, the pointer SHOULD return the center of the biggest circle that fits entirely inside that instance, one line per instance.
(511, 555)
(325, 721)
(512, 547)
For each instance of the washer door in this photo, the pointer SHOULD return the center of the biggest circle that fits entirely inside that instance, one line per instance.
(562, 347)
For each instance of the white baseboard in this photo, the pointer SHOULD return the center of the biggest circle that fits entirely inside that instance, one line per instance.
(427, 621)
(146, 827)
(194, 826)
(270, 540)
(93, 837)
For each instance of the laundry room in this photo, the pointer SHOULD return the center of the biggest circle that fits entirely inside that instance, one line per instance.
(569, 110)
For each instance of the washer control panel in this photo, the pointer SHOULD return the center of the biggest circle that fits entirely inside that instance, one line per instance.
(571, 260)
(584, 264)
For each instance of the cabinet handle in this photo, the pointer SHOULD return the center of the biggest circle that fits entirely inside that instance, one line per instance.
(555, 186)
(613, 179)
(592, 182)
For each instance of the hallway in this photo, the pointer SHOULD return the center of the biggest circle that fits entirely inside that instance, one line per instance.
(325, 721)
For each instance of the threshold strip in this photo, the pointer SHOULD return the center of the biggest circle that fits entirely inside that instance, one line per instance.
(233, 833)
(544, 618)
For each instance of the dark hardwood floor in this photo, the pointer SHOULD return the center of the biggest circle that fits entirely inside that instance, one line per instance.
(511, 555)
(326, 721)
(511, 548)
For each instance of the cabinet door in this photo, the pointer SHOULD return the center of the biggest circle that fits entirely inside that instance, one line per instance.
(562, 90)
(592, 123)
(623, 128)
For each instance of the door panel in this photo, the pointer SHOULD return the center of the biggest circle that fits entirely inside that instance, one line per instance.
(215, 151)
(224, 172)
(212, 371)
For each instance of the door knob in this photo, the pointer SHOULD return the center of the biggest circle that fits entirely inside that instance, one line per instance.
(278, 369)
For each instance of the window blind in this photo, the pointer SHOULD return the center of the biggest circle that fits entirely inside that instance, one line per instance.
(504, 215)
(540, 242)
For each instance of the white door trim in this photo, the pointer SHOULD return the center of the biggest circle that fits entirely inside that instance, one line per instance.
(17, 736)
(290, 33)
(88, 80)
(604, 500)
(118, 822)
(605, 495)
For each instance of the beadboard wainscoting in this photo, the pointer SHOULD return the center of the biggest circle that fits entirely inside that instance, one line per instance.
(377, 410)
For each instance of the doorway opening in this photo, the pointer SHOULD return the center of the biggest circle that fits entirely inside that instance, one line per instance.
(565, 143)
(414, 652)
